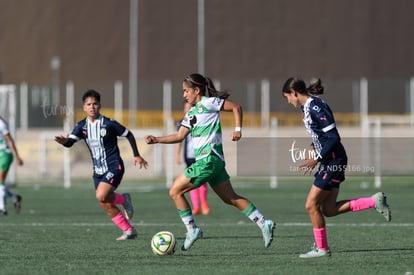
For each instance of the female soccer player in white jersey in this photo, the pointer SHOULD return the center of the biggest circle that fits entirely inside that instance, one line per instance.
(101, 136)
(329, 154)
(203, 123)
(7, 150)
(198, 195)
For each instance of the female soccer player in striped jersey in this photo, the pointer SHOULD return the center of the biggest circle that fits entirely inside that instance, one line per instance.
(101, 136)
(203, 123)
(332, 159)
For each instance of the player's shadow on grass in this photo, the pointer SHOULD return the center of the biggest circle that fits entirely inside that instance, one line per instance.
(224, 237)
(258, 236)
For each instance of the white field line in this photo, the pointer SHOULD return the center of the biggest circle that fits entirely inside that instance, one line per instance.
(144, 224)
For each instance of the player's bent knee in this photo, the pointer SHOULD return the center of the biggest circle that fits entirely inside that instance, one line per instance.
(100, 198)
(174, 194)
(329, 212)
(310, 208)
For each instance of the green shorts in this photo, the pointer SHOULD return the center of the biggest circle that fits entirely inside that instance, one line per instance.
(210, 169)
(6, 160)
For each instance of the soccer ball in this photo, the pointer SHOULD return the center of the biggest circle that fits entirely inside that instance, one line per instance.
(163, 243)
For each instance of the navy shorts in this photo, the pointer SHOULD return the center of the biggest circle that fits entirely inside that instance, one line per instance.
(331, 174)
(113, 176)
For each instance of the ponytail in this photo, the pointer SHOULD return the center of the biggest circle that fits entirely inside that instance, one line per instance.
(315, 87)
(205, 85)
(299, 86)
(213, 92)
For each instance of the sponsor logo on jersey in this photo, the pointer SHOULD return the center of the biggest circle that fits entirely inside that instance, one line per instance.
(109, 176)
(316, 108)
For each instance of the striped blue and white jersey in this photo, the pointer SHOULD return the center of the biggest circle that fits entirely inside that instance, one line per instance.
(320, 123)
(101, 137)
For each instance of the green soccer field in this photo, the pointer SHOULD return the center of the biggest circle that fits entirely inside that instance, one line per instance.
(63, 231)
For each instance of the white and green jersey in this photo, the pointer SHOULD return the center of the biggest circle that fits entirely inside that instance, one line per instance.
(203, 120)
(4, 130)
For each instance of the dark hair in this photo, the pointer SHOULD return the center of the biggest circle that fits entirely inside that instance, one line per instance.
(91, 93)
(299, 86)
(205, 85)
(315, 87)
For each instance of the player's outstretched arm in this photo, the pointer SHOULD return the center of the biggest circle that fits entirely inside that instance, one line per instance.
(137, 157)
(179, 136)
(65, 141)
(61, 139)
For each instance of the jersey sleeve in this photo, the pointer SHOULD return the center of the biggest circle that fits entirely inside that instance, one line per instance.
(77, 133)
(185, 122)
(4, 128)
(120, 130)
(214, 104)
(322, 115)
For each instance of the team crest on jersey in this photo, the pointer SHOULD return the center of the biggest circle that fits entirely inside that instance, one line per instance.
(103, 132)
(200, 110)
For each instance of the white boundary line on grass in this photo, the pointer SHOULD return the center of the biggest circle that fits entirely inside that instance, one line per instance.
(143, 224)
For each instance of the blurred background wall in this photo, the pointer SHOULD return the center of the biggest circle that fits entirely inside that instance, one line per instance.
(49, 42)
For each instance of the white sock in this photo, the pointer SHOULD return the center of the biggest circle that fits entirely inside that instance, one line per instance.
(258, 218)
(189, 223)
